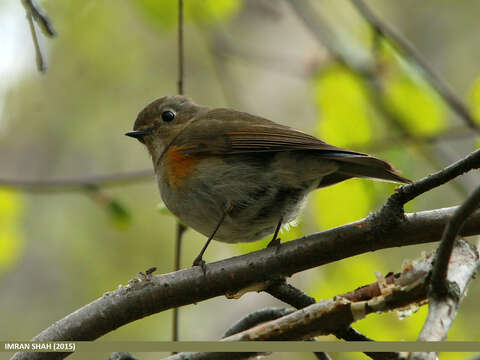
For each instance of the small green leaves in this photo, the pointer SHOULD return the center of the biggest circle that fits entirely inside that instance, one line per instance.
(163, 13)
(344, 110)
(475, 100)
(419, 108)
(11, 239)
(119, 214)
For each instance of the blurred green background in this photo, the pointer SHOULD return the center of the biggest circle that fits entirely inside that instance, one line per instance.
(60, 250)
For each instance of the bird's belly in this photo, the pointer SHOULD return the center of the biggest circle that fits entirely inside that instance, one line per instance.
(253, 197)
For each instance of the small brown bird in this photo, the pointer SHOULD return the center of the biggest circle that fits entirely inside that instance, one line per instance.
(236, 177)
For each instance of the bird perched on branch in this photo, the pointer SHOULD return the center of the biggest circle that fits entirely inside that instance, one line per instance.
(236, 177)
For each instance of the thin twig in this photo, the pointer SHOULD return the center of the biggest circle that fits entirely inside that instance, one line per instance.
(178, 252)
(35, 12)
(290, 295)
(180, 227)
(224, 77)
(39, 57)
(408, 192)
(40, 17)
(356, 60)
(257, 317)
(180, 47)
(298, 299)
(77, 183)
(442, 87)
(454, 133)
(440, 287)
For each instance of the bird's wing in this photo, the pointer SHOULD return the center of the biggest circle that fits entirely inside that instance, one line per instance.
(225, 132)
(228, 132)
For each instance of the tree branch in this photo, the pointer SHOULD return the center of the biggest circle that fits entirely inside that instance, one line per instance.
(255, 318)
(326, 316)
(40, 17)
(410, 191)
(406, 289)
(35, 12)
(442, 311)
(298, 299)
(78, 183)
(253, 271)
(440, 288)
(449, 283)
(180, 227)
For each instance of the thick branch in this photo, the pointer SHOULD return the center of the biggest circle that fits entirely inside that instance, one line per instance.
(254, 271)
(442, 311)
(440, 286)
(326, 316)
(448, 284)
(406, 289)
(298, 299)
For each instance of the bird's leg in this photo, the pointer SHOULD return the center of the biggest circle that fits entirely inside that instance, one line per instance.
(276, 240)
(198, 260)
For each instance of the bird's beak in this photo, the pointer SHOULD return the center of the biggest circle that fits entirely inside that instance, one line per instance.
(139, 134)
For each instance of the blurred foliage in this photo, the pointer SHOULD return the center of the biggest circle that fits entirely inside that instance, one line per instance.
(164, 13)
(344, 110)
(287, 233)
(475, 99)
(420, 109)
(11, 238)
(343, 203)
(346, 118)
(108, 62)
(417, 105)
(120, 215)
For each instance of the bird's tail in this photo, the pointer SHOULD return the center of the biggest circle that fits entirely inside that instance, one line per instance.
(363, 166)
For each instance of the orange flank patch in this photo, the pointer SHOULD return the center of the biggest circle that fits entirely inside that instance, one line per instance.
(178, 165)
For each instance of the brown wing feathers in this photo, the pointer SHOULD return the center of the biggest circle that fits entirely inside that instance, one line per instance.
(266, 136)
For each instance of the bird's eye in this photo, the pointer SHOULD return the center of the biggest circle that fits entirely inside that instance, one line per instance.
(168, 116)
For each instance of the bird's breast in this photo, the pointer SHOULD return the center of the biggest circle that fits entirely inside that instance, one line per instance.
(177, 167)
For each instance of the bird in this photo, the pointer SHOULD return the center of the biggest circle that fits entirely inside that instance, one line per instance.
(236, 177)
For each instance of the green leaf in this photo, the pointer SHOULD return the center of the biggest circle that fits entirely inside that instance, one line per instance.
(119, 213)
(344, 109)
(342, 203)
(11, 239)
(475, 100)
(164, 13)
(419, 107)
